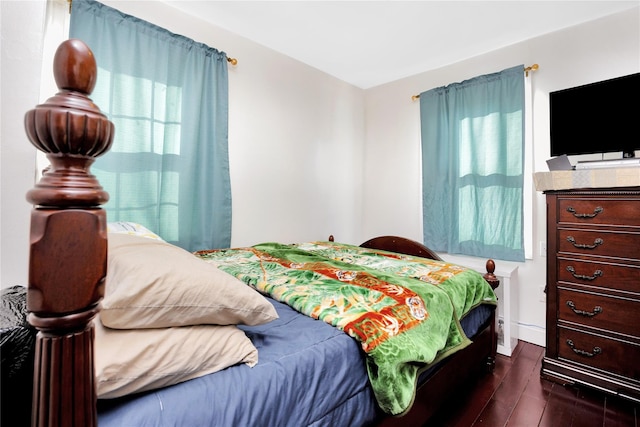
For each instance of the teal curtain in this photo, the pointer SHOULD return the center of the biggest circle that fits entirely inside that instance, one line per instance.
(472, 166)
(168, 98)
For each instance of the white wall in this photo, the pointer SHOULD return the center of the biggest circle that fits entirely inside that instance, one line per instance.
(21, 31)
(598, 50)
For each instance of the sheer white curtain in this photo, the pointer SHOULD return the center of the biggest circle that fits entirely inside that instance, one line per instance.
(56, 30)
(527, 192)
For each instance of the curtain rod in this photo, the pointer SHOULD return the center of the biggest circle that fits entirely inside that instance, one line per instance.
(533, 67)
(232, 61)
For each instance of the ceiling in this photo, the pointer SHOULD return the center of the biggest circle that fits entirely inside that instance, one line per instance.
(368, 43)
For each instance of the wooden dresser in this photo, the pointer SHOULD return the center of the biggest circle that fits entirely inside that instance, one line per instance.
(593, 289)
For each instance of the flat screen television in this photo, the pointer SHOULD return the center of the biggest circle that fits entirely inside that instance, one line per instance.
(601, 117)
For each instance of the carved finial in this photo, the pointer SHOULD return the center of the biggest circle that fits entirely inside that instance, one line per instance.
(74, 67)
(71, 130)
(491, 266)
(490, 277)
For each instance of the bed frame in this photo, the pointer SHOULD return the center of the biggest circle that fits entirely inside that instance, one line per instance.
(68, 258)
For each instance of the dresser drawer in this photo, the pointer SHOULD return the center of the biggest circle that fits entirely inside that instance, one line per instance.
(599, 243)
(600, 311)
(599, 211)
(618, 357)
(601, 274)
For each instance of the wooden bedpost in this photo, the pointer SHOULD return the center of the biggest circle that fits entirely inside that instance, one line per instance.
(68, 243)
(490, 276)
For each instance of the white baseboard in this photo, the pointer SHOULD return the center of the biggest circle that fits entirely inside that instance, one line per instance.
(532, 334)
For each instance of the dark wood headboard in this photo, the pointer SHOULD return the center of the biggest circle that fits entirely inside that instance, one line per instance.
(68, 242)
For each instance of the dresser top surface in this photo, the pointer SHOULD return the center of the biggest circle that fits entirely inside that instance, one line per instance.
(588, 179)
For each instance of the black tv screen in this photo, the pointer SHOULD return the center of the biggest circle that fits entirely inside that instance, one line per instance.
(600, 117)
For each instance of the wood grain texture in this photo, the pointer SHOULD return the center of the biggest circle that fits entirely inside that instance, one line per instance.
(68, 242)
(514, 395)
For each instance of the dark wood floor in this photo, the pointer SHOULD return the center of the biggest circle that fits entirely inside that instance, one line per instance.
(514, 395)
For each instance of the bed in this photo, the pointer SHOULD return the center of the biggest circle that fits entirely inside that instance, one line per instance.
(301, 358)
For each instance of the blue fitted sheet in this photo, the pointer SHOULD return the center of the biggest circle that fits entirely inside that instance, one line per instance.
(308, 374)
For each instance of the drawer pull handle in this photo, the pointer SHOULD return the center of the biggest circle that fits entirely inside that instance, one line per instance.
(596, 310)
(596, 274)
(595, 351)
(595, 213)
(596, 243)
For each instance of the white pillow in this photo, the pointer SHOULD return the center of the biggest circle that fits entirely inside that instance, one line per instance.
(153, 284)
(131, 361)
(127, 227)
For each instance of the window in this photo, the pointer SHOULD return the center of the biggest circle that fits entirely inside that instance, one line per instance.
(167, 95)
(473, 166)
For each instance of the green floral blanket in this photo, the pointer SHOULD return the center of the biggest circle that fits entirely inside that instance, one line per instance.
(405, 311)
